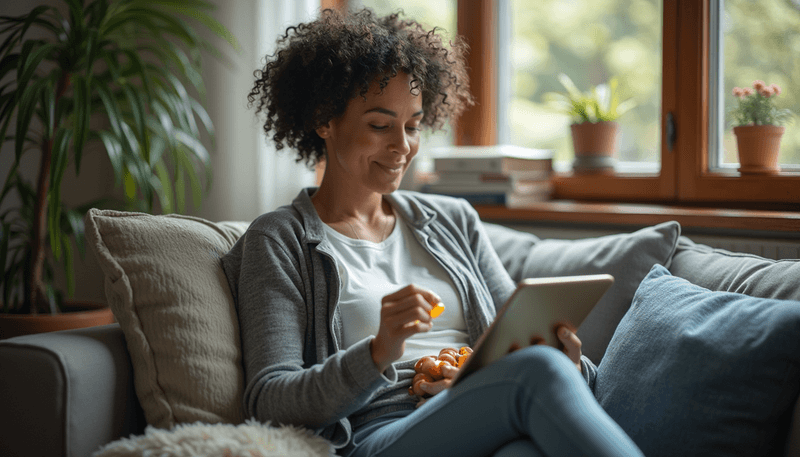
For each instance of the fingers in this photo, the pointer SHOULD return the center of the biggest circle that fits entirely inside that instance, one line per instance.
(572, 345)
(410, 290)
(449, 371)
(411, 312)
(403, 313)
(433, 388)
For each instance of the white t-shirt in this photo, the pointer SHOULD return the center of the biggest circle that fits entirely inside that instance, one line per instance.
(369, 271)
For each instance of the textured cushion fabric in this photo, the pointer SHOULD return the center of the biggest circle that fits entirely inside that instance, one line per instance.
(165, 284)
(205, 440)
(696, 372)
(721, 270)
(512, 246)
(626, 256)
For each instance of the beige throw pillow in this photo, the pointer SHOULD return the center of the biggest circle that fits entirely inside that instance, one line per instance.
(165, 284)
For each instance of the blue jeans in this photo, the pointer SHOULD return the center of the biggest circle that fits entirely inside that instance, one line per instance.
(532, 402)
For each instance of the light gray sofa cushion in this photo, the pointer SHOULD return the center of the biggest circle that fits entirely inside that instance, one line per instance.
(718, 269)
(626, 256)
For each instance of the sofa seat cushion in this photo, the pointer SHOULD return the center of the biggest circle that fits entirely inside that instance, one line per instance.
(691, 371)
(626, 256)
(165, 284)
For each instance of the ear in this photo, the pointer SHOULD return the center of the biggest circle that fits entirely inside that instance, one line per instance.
(324, 131)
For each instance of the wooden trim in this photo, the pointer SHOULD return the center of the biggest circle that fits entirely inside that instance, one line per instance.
(697, 183)
(692, 113)
(639, 215)
(476, 24)
(662, 187)
(609, 187)
(668, 179)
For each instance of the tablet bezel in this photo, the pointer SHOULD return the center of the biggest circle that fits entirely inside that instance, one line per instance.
(543, 303)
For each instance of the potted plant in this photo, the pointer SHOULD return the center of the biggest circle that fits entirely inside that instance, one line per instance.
(594, 128)
(758, 128)
(117, 73)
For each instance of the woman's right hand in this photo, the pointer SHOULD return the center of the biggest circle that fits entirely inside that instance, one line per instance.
(403, 314)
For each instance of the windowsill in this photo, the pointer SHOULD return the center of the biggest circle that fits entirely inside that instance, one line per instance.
(784, 224)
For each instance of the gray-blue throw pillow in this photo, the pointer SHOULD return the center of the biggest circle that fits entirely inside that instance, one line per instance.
(693, 372)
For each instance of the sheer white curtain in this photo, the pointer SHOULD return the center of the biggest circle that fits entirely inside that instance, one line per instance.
(249, 176)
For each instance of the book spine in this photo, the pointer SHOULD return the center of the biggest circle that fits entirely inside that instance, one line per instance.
(490, 164)
(479, 177)
(508, 199)
(522, 187)
(487, 198)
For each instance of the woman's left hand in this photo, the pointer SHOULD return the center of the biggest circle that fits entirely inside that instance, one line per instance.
(572, 345)
(433, 388)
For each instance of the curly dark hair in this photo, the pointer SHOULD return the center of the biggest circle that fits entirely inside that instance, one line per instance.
(321, 65)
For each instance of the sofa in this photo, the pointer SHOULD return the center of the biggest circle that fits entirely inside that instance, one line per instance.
(698, 349)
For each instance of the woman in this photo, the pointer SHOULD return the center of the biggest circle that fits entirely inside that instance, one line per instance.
(334, 291)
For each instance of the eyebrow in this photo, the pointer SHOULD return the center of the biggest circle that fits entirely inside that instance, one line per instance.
(389, 112)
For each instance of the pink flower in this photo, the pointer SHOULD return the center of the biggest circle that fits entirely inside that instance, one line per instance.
(758, 84)
(776, 89)
(766, 91)
(747, 91)
(738, 92)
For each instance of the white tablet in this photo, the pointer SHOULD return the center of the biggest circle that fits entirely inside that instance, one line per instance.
(532, 314)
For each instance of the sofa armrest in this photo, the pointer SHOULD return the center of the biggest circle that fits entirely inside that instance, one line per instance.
(66, 393)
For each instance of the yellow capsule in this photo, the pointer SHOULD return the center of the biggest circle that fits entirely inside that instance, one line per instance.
(437, 310)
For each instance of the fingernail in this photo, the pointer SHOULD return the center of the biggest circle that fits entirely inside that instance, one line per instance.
(564, 332)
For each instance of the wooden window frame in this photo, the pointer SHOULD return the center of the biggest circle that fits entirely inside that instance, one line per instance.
(684, 177)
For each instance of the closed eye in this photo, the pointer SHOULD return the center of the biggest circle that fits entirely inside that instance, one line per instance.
(379, 127)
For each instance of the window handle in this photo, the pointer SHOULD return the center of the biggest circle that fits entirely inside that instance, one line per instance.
(672, 131)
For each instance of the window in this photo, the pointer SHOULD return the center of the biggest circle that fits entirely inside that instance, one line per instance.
(754, 41)
(685, 174)
(704, 46)
(590, 42)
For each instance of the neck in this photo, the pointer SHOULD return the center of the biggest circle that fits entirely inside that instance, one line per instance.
(338, 204)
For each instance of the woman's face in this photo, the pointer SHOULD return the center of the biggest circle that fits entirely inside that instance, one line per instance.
(371, 145)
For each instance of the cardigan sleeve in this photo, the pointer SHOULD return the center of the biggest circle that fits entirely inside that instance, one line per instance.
(284, 381)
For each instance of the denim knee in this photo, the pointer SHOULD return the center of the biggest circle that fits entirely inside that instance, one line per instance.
(539, 362)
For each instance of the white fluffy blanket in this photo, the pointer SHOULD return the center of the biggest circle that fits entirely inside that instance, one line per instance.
(251, 439)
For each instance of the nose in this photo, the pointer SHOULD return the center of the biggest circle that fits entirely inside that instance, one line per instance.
(400, 142)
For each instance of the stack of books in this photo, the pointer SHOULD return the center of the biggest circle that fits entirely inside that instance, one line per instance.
(493, 175)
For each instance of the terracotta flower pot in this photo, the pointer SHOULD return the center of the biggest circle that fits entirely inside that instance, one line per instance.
(595, 145)
(75, 315)
(758, 147)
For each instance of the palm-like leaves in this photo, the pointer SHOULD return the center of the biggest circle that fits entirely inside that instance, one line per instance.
(136, 63)
(598, 105)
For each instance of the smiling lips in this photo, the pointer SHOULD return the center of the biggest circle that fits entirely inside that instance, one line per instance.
(394, 168)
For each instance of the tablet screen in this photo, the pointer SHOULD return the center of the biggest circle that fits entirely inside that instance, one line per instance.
(533, 312)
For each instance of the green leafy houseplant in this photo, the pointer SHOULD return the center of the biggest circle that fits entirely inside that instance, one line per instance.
(120, 73)
(599, 104)
(594, 128)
